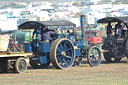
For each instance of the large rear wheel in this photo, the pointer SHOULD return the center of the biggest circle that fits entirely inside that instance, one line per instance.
(111, 59)
(62, 53)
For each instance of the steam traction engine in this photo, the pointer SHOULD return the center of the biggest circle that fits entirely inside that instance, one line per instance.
(115, 48)
(64, 50)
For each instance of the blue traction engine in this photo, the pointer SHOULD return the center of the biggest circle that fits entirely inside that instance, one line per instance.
(64, 50)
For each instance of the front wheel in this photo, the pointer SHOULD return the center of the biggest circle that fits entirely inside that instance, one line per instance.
(94, 56)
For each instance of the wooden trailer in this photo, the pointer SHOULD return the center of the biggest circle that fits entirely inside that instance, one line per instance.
(14, 62)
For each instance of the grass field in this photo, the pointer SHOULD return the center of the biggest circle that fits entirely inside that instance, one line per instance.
(104, 74)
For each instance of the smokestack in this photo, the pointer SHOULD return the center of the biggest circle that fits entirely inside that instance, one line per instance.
(83, 25)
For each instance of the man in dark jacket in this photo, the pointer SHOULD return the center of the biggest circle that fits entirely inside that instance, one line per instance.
(38, 32)
(109, 29)
(48, 34)
(43, 34)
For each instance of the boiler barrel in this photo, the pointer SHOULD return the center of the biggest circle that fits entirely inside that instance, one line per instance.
(80, 44)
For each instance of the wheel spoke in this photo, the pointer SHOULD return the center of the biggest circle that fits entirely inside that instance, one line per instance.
(96, 61)
(61, 47)
(58, 50)
(92, 52)
(59, 59)
(92, 56)
(68, 49)
(58, 54)
(96, 53)
(68, 56)
(65, 47)
(91, 59)
(65, 61)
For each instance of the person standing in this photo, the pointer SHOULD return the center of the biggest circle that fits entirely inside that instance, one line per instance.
(38, 32)
(35, 44)
(118, 29)
(109, 29)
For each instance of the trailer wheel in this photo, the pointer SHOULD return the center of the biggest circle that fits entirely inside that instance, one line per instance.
(21, 65)
(62, 53)
(94, 56)
(110, 59)
(36, 65)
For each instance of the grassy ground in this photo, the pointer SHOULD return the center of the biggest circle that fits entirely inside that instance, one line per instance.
(104, 74)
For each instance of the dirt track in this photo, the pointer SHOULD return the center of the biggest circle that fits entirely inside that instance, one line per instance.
(79, 75)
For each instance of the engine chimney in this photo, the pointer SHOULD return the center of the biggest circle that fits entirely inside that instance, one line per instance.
(83, 25)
